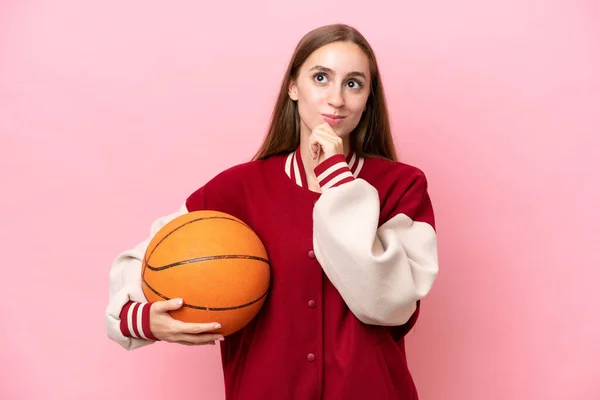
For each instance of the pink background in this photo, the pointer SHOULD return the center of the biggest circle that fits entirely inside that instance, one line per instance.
(112, 112)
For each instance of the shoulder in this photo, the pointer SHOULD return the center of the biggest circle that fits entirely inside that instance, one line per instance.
(229, 185)
(236, 174)
(387, 174)
(402, 188)
(232, 177)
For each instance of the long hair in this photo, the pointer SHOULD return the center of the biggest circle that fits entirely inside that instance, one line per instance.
(371, 138)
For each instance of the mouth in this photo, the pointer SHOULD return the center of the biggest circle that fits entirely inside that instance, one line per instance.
(333, 119)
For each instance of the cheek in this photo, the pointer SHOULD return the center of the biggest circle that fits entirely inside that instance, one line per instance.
(310, 103)
(311, 96)
(357, 105)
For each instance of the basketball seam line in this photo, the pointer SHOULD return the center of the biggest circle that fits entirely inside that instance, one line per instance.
(207, 258)
(189, 222)
(208, 308)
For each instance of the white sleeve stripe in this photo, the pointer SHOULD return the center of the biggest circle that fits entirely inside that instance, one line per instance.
(359, 167)
(139, 320)
(297, 171)
(331, 170)
(288, 164)
(352, 161)
(338, 178)
(130, 321)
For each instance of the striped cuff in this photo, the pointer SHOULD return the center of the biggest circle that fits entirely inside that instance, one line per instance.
(333, 172)
(135, 320)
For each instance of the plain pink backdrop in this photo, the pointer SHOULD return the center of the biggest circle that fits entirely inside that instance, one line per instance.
(112, 112)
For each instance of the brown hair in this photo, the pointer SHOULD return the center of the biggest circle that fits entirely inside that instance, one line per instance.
(371, 138)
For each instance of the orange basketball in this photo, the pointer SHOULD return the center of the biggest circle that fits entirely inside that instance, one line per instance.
(212, 260)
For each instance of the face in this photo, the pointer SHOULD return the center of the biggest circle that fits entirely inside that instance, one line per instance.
(332, 86)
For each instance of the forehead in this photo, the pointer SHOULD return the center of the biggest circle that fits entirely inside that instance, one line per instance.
(341, 57)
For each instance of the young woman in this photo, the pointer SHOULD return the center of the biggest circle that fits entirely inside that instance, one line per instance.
(349, 231)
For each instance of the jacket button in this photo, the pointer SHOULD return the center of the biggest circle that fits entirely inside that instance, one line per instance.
(310, 357)
(312, 304)
(311, 254)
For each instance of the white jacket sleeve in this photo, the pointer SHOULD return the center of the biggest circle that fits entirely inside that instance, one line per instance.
(380, 271)
(125, 284)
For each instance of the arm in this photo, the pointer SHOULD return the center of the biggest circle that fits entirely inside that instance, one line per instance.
(381, 272)
(127, 313)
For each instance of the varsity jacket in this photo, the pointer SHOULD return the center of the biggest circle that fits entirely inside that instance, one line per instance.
(349, 267)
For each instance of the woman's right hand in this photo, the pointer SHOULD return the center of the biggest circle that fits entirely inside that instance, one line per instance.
(168, 329)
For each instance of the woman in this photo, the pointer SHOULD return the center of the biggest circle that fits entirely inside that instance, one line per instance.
(350, 236)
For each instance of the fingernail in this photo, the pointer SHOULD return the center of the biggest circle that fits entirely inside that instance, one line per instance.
(217, 326)
(221, 338)
(179, 302)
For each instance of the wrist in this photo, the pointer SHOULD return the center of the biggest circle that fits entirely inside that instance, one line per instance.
(333, 171)
(135, 320)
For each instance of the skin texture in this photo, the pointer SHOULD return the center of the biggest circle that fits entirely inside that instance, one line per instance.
(333, 80)
(166, 328)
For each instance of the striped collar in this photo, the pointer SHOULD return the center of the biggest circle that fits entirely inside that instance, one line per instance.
(294, 168)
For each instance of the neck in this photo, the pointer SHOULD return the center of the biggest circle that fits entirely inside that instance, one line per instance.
(310, 164)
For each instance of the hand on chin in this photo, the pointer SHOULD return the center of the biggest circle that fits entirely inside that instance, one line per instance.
(323, 143)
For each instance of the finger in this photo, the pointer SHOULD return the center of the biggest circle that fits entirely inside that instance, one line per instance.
(322, 141)
(314, 146)
(321, 138)
(168, 305)
(327, 130)
(317, 148)
(197, 344)
(325, 142)
(194, 328)
(197, 339)
(329, 134)
(324, 125)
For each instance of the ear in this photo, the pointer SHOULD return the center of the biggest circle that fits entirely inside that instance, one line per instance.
(293, 91)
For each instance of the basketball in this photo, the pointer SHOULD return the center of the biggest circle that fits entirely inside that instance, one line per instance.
(215, 262)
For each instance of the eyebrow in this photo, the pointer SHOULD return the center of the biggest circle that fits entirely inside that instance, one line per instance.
(330, 71)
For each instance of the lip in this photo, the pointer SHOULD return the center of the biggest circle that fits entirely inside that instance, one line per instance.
(333, 119)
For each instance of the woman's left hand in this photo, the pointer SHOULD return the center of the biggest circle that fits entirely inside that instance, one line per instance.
(324, 143)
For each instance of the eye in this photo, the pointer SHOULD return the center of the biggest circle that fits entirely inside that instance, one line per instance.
(320, 77)
(354, 84)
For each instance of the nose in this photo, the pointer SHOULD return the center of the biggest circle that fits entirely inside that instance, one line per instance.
(335, 97)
